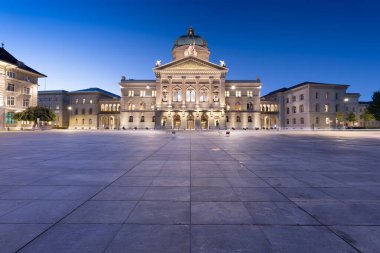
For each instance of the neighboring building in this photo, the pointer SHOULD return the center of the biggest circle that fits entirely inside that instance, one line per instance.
(57, 101)
(366, 124)
(190, 92)
(309, 105)
(18, 89)
(85, 108)
(109, 114)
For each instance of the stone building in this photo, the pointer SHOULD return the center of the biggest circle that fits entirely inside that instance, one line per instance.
(190, 92)
(57, 101)
(309, 105)
(86, 107)
(18, 89)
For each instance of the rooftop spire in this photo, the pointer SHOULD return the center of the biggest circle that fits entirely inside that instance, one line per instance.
(190, 32)
(2, 45)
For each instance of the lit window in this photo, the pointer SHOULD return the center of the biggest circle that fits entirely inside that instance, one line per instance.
(203, 95)
(177, 94)
(327, 95)
(9, 118)
(190, 95)
(154, 93)
(57, 107)
(249, 93)
(142, 93)
(237, 106)
(84, 101)
(131, 93)
(227, 93)
(90, 101)
(238, 93)
(327, 120)
(76, 101)
(326, 108)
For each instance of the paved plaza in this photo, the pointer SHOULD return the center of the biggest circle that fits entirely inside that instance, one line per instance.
(151, 191)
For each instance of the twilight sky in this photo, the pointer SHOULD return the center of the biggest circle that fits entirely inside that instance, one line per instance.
(82, 44)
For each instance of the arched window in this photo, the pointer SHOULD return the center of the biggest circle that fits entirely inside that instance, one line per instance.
(237, 106)
(84, 101)
(106, 108)
(272, 108)
(228, 107)
(190, 94)
(203, 95)
(118, 107)
(250, 106)
(317, 108)
(131, 106)
(102, 107)
(142, 106)
(249, 118)
(177, 94)
(142, 119)
(114, 107)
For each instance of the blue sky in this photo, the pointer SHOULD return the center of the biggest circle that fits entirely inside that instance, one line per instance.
(81, 44)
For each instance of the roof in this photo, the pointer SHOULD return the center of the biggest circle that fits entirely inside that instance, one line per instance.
(94, 89)
(364, 102)
(137, 81)
(242, 81)
(190, 38)
(7, 57)
(41, 92)
(303, 84)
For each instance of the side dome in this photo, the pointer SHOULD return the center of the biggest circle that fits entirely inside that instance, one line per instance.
(190, 38)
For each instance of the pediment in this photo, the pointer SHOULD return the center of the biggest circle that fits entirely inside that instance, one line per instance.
(190, 63)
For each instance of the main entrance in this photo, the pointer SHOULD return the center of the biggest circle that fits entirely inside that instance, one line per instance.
(204, 121)
(190, 122)
(177, 121)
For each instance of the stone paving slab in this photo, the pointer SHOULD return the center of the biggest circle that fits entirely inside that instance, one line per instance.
(150, 191)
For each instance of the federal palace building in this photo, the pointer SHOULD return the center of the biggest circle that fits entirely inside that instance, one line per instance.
(189, 92)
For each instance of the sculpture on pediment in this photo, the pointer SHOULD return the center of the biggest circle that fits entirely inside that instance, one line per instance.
(158, 63)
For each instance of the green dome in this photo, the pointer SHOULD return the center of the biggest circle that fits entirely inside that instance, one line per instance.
(190, 38)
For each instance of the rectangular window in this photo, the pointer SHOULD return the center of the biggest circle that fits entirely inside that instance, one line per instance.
(238, 93)
(142, 93)
(294, 109)
(287, 121)
(301, 97)
(154, 93)
(327, 96)
(294, 98)
(9, 118)
(302, 121)
(142, 119)
(130, 119)
(25, 103)
(11, 74)
(227, 119)
(26, 91)
(336, 108)
(10, 101)
(287, 110)
(294, 121)
(287, 100)
(153, 118)
(249, 93)
(10, 87)
(131, 93)
(227, 93)
(326, 108)
(317, 95)
(316, 120)
(336, 95)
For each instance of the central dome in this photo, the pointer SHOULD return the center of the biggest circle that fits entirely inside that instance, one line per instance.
(190, 38)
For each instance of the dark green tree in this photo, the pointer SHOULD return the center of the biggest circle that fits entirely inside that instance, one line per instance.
(366, 116)
(34, 113)
(374, 106)
(351, 117)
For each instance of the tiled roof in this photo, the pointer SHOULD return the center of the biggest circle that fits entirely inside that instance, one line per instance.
(7, 57)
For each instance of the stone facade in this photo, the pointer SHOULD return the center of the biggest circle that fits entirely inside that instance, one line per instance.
(190, 92)
(18, 89)
(57, 101)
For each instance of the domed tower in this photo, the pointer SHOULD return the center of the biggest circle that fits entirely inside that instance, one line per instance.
(190, 45)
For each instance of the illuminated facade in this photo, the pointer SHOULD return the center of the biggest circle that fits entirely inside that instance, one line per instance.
(190, 92)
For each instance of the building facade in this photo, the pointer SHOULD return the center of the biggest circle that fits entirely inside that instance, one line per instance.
(190, 92)
(86, 107)
(18, 89)
(57, 101)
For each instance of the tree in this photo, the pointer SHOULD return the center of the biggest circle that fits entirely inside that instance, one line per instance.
(339, 117)
(34, 113)
(374, 106)
(367, 116)
(351, 117)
